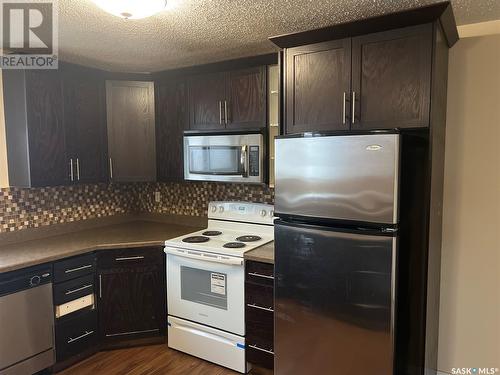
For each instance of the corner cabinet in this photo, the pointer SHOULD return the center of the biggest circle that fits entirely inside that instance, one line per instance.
(131, 296)
(228, 100)
(375, 81)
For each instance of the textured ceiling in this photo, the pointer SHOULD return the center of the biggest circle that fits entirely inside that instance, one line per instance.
(192, 32)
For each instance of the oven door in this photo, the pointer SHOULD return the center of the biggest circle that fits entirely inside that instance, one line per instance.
(231, 158)
(209, 292)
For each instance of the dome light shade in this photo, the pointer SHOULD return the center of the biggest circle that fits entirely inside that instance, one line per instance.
(132, 9)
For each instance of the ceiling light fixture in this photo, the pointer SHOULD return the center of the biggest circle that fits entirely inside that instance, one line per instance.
(132, 9)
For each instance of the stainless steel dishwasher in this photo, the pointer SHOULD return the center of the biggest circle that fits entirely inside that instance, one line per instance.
(26, 321)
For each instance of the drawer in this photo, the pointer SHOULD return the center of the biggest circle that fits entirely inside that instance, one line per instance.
(259, 327)
(259, 295)
(76, 335)
(131, 257)
(73, 289)
(260, 273)
(74, 267)
(262, 357)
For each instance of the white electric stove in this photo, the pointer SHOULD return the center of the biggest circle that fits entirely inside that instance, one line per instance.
(206, 282)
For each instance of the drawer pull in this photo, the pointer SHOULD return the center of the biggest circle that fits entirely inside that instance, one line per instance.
(129, 258)
(71, 291)
(260, 275)
(261, 349)
(87, 333)
(132, 332)
(78, 269)
(260, 307)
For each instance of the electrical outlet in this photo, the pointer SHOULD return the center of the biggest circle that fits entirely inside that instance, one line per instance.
(157, 196)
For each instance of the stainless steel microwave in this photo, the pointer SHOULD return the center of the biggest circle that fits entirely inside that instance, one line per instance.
(227, 158)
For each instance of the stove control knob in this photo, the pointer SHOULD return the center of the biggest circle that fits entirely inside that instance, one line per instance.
(271, 213)
(214, 208)
(263, 213)
(221, 209)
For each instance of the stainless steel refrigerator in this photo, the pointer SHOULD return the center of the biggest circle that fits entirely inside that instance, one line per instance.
(336, 247)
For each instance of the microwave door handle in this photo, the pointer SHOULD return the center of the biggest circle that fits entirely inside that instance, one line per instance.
(243, 161)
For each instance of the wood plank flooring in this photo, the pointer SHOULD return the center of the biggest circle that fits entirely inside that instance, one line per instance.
(148, 360)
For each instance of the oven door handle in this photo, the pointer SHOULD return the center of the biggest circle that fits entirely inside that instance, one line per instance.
(243, 161)
(205, 257)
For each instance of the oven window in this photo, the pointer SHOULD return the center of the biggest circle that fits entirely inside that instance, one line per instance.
(215, 160)
(205, 287)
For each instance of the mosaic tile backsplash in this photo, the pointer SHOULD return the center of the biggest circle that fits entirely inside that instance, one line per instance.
(22, 208)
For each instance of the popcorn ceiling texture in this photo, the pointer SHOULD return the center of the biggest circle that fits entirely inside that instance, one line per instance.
(23, 208)
(192, 32)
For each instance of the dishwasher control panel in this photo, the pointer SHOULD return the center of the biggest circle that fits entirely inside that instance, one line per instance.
(14, 281)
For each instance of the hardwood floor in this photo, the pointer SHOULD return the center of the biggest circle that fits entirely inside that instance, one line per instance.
(148, 360)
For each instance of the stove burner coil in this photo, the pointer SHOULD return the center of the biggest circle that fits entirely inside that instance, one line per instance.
(212, 233)
(234, 245)
(195, 239)
(248, 238)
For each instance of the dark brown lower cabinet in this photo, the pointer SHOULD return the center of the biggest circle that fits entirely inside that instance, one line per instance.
(259, 313)
(131, 301)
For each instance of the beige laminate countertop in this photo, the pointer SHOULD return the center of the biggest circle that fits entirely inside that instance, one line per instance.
(130, 234)
(264, 253)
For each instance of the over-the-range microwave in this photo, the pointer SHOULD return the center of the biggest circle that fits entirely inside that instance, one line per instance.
(226, 158)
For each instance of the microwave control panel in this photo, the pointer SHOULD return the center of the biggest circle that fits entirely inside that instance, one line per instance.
(253, 161)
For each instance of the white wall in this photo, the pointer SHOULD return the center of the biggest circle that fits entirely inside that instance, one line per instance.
(4, 175)
(469, 334)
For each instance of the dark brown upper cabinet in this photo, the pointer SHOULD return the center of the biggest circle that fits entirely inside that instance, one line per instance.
(85, 119)
(391, 78)
(131, 131)
(206, 95)
(234, 100)
(172, 120)
(318, 86)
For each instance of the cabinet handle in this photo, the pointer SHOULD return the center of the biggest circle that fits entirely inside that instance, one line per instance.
(71, 176)
(100, 286)
(110, 168)
(129, 258)
(225, 111)
(78, 268)
(343, 109)
(260, 275)
(87, 333)
(261, 349)
(78, 169)
(254, 306)
(353, 107)
(220, 112)
(71, 291)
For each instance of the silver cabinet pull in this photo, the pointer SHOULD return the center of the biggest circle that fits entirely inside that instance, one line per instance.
(110, 168)
(131, 332)
(260, 275)
(225, 111)
(87, 333)
(254, 306)
(353, 107)
(78, 268)
(220, 112)
(100, 286)
(129, 258)
(71, 175)
(78, 169)
(71, 291)
(261, 349)
(343, 109)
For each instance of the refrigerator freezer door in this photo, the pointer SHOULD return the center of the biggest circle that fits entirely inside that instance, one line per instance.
(350, 177)
(334, 301)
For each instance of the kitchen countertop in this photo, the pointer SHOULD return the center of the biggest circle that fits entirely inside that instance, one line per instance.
(264, 253)
(130, 234)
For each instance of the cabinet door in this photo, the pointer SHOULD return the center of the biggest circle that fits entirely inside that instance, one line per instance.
(391, 78)
(49, 164)
(317, 76)
(206, 96)
(245, 102)
(131, 130)
(172, 120)
(84, 118)
(131, 303)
